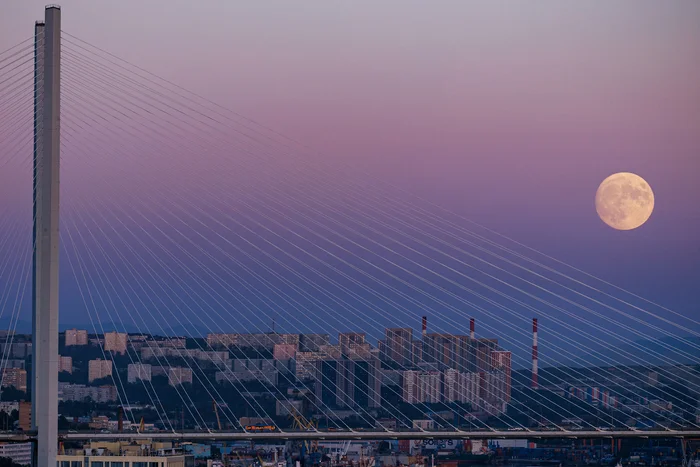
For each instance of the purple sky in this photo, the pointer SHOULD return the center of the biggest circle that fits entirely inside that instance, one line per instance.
(509, 113)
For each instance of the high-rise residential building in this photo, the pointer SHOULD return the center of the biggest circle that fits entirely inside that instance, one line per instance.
(98, 369)
(16, 363)
(492, 392)
(416, 352)
(501, 361)
(348, 383)
(14, 377)
(138, 372)
(447, 350)
(360, 383)
(25, 415)
(21, 349)
(482, 354)
(450, 385)
(65, 364)
(76, 337)
(115, 342)
(284, 351)
(313, 342)
(398, 343)
(461, 387)
(306, 363)
(410, 386)
(358, 352)
(345, 339)
(422, 386)
(179, 375)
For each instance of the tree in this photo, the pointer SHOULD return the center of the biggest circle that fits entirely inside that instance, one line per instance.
(8, 462)
(12, 394)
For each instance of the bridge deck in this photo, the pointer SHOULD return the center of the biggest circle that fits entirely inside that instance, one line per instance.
(356, 435)
(383, 435)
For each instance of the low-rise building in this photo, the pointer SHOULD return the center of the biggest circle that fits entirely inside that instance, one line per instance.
(80, 392)
(20, 453)
(158, 458)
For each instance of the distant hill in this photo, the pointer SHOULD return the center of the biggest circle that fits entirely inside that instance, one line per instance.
(25, 327)
(663, 351)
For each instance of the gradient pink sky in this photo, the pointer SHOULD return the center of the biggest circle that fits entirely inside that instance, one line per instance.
(510, 113)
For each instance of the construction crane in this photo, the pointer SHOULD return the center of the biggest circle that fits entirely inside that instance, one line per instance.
(215, 407)
(216, 413)
(301, 423)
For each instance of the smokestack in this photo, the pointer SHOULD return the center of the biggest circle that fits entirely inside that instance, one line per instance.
(425, 325)
(471, 328)
(534, 353)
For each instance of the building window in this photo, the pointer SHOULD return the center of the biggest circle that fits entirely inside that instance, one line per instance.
(96, 464)
(76, 464)
(65, 464)
(117, 464)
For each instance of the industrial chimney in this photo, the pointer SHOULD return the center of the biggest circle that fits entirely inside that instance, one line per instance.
(471, 328)
(534, 353)
(425, 325)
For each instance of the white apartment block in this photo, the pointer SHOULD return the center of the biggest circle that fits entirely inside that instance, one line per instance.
(65, 364)
(138, 372)
(115, 342)
(179, 375)
(79, 392)
(99, 369)
(76, 337)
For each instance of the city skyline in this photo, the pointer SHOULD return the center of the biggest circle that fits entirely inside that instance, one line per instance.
(178, 216)
(206, 221)
(567, 146)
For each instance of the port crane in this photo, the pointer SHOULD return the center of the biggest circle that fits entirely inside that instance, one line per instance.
(301, 423)
(215, 407)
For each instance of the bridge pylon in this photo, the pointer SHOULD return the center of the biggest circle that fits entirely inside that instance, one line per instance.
(47, 105)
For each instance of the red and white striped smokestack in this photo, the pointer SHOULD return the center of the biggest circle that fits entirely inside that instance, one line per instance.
(471, 328)
(425, 325)
(534, 353)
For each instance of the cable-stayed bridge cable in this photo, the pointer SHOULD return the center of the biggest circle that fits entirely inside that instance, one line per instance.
(200, 97)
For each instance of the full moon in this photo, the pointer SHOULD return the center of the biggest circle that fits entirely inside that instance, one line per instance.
(624, 201)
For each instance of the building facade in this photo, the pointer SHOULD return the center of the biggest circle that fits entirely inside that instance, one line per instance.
(76, 337)
(98, 369)
(14, 377)
(65, 364)
(115, 342)
(138, 372)
(179, 375)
